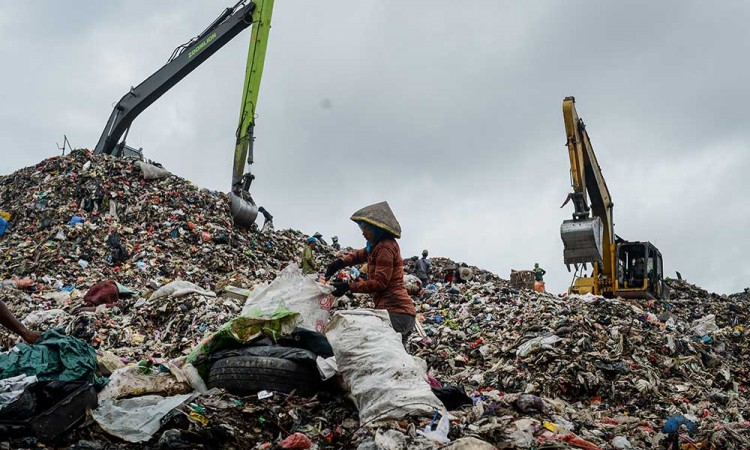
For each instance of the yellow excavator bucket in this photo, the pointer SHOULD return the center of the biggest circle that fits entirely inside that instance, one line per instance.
(582, 240)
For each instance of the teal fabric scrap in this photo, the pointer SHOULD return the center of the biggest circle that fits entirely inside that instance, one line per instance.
(54, 356)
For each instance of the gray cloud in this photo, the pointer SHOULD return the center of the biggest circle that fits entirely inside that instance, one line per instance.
(450, 112)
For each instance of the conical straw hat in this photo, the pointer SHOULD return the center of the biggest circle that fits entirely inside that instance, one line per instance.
(379, 215)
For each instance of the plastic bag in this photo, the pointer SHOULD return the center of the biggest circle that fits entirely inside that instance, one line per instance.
(536, 344)
(179, 288)
(136, 419)
(385, 381)
(37, 318)
(327, 367)
(704, 325)
(12, 388)
(296, 441)
(412, 284)
(185, 372)
(440, 433)
(295, 292)
(523, 435)
(621, 443)
(151, 172)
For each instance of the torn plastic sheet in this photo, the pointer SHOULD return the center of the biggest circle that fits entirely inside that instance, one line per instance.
(12, 388)
(179, 288)
(536, 344)
(136, 419)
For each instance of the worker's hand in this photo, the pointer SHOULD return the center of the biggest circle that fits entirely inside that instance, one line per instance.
(31, 336)
(334, 267)
(340, 288)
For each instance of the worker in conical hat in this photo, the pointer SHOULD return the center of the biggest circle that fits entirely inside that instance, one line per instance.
(385, 267)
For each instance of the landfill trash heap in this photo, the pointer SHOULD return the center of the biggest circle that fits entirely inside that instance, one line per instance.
(602, 369)
(171, 230)
(542, 371)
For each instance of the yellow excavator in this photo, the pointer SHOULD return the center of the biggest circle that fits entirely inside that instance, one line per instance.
(620, 268)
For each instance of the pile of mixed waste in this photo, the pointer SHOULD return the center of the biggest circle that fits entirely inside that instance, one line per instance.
(66, 211)
(537, 370)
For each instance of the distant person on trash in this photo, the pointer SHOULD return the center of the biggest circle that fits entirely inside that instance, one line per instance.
(336, 246)
(539, 278)
(423, 269)
(320, 239)
(385, 267)
(308, 258)
(538, 272)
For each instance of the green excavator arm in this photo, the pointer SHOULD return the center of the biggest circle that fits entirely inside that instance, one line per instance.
(244, 210)
(243, 150)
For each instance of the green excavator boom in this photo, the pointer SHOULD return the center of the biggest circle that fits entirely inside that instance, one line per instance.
(256, 56)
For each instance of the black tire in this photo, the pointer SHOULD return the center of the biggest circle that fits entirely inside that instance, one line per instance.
(246, 375)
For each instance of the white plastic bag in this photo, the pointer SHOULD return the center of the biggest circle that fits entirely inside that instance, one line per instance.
(179, 288)
(621, 443)
(384, 381)
(440, 433)
(12, 388)
(40, 317)
(295, 292)
(704, 325)
(523, 435)
(327, 367)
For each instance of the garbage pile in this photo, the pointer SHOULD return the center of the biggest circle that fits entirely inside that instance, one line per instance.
(80, 220)
(600, 369)
(143, 270)
(70, 215)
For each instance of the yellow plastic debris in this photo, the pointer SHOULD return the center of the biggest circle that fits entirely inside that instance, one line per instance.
(198, 417)
(553, 427)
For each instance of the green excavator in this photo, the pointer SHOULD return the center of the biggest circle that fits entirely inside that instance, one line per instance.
(184, 60)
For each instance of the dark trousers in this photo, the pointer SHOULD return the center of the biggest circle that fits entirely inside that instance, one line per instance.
(404, 324)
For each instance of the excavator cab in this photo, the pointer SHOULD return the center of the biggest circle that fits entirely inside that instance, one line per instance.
(640, 271)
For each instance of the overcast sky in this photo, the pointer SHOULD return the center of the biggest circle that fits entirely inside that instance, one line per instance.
(449, 111)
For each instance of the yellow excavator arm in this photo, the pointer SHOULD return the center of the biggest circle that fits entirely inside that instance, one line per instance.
(589, 237)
